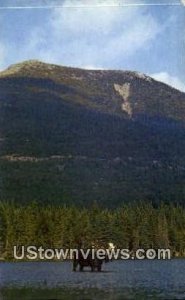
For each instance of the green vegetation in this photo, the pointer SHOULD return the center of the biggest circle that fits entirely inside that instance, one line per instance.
(103, 154)
(80, 180)
(131, 226)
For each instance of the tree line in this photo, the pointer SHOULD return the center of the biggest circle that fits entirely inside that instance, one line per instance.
(139, 225)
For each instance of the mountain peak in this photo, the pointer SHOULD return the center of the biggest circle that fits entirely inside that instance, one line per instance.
(34, 64)
(31, 67)
(127, 93)
(29, 62)
(15, 68)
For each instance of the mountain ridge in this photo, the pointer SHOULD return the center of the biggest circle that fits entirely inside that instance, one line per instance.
(116, 84)
(69, 135)
(50, 66)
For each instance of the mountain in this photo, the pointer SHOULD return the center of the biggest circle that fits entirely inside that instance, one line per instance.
(75, 136)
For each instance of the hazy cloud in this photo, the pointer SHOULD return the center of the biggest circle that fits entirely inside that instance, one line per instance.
(90, 36)
(96, 36)
(2, 55)
(170, 80)
(101, 35)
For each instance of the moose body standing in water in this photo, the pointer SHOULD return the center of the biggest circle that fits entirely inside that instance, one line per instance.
(89, 260)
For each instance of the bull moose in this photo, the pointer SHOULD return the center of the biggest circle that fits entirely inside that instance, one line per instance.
(94, 263)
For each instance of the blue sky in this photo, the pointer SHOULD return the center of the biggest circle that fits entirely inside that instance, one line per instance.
(101, 34)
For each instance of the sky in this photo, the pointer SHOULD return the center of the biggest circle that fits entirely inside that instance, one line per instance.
(97, 34)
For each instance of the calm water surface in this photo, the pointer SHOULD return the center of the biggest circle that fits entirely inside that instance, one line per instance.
(119, 280)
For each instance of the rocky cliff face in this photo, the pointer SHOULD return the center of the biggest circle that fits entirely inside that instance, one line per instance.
(73, 135)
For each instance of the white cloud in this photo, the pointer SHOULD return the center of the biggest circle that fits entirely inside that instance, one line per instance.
(91, 36)
(2, 55)
(137, 34)
(170, 80)
(101, 35)
(91, 67)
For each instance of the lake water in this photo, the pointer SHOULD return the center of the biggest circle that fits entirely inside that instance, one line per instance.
(119, 280)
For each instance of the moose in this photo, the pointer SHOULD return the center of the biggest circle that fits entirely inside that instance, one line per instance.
(93, 262)
(89, 260)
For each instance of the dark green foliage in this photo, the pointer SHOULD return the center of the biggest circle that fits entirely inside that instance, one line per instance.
(134, 226)
(81, 180)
